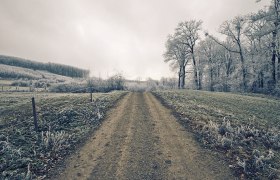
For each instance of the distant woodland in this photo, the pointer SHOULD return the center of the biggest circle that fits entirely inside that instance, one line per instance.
(59, 69)
(245, 57)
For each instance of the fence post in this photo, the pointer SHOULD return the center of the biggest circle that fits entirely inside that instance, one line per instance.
(90, 96)
(34, 114)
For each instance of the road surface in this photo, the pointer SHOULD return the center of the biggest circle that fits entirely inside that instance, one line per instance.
(140, 139)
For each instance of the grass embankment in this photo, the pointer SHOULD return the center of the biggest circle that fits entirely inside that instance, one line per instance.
(245, 128)
(64, 121)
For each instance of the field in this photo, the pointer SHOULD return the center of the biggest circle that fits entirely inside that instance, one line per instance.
(208, 135)
(244, 128)
(64, 121)
(205, 106)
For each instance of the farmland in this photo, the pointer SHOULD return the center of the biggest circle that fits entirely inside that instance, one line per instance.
(130, 90)
(244, 128)
(217, 133)
(205, 106)
(64, 121)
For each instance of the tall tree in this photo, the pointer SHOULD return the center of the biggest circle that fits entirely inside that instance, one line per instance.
(187, 34)
(234, 30)
(208, 52)
(272, 19)
(258, 52)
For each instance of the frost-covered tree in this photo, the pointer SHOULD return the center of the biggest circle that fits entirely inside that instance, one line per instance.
(187, 34)
(245, 58)
(271, 27)
(235, 30)
(208, 53)
(177, 53)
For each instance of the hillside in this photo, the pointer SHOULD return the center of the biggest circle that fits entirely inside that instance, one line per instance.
(55, 68)
(14, 78)
(12, 72)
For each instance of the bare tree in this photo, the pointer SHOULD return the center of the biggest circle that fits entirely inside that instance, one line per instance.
(247, 59)
(258, 52)
(272, 19)
(187, 34)
(177, 53)
(207, 52)
(167, 83)
(234, 30)
(228, 63)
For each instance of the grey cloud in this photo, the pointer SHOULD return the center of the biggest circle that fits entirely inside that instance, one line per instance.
(106, 36)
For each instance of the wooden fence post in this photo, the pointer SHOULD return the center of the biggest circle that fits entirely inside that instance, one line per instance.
(34, 114)
(90, 96)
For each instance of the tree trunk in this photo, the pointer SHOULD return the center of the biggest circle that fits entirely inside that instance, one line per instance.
(260, 80)
(273, 60)
(200, 80)
(179, 78)
(183, 77)
(228, 66)
(244, 83)
(244, 71)
(181, 82)
(277, 2)
(195, 72)
(211, 80)
(278, 68)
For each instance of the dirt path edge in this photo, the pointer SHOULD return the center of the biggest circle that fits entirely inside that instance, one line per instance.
(61, 165)
(187, 123)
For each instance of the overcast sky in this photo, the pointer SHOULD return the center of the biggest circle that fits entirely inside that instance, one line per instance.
(107, 36)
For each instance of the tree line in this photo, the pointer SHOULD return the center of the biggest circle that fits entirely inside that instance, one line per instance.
(60, 69)
(93, 84)
(245, 58)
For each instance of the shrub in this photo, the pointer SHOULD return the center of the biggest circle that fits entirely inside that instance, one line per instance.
(246, 139)
(73, 87)
(21, 83)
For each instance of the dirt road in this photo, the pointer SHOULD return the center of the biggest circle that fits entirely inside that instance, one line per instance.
(140, 139)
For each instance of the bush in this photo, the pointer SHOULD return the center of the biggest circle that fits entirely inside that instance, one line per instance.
(243, 142)
(73, 87)
(21, 83)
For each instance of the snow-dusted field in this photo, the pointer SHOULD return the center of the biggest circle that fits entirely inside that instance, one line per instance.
(245, 128)
(64, 121)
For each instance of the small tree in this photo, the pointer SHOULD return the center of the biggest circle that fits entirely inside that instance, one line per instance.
(177, 53)
(116, 82)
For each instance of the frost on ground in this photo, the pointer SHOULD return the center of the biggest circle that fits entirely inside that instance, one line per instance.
(245, 129)
(64, 121)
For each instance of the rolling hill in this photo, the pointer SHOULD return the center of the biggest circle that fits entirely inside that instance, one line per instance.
(54, 68)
